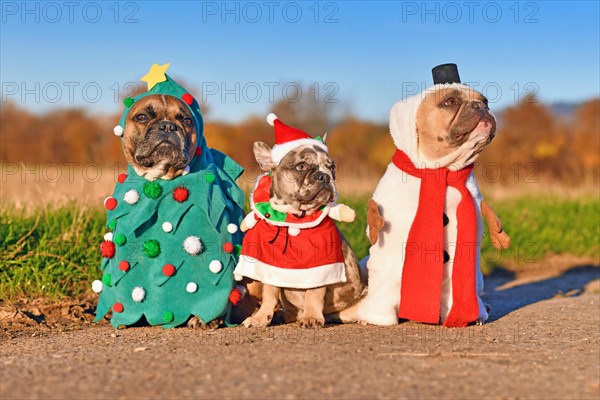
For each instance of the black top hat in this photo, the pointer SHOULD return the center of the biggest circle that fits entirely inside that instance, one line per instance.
(445, 73)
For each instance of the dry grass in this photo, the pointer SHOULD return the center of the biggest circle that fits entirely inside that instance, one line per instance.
(27, 187)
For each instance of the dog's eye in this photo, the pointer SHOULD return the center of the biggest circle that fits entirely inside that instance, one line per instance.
(301, 167)
(187, 121)
(451, 102)
(141, 117)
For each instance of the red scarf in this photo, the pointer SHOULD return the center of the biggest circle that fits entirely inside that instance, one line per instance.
(424, 261)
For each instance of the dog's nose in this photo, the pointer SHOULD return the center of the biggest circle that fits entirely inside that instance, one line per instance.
(167, 126)
(321, 177)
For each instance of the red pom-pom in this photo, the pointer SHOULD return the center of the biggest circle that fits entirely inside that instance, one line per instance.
(198, 151)
(124, 266)
(118, 307)
(181, 194)
(122, 178)
(228, 247)
(110, 203)
(235, 296)
(168, 270)
(107, 249)
(188, 99)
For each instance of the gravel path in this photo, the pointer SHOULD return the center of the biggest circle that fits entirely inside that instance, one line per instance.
(543, 342)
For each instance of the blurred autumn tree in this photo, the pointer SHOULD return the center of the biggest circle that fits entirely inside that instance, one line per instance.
(531, 142)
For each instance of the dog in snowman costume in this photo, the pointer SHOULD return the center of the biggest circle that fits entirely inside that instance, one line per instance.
(425, 217)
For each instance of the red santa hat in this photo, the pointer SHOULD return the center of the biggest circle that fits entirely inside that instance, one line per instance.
(288, 138)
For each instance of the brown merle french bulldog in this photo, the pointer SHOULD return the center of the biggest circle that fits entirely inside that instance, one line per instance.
(303, 182)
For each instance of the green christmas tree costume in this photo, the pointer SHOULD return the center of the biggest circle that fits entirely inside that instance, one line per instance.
(174, 243)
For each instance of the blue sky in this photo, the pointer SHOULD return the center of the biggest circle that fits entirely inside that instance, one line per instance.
(365, 54)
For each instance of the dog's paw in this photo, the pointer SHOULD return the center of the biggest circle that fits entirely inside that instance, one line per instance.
(257, 321)
(197, 323)
(311, 322)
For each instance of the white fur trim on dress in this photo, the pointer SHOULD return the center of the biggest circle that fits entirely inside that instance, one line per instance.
(280, 150)
(306, 278)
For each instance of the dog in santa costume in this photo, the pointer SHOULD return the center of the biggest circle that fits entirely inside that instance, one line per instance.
(292, 244)
(424, 220)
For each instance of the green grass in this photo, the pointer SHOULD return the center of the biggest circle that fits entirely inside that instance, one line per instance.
(52, 253)
(55, 252)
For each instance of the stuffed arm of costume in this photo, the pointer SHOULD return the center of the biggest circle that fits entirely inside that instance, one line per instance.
(499, 238)
(248, 222)
(342, 213)
(374, 221)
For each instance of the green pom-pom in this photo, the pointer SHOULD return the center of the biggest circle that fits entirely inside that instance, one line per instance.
(111, 225)
(210, 177)
(168, 316)
(120, 239)
(106, 279)
(152, 189)
(238, 249)
(128, 101)
(152, 248)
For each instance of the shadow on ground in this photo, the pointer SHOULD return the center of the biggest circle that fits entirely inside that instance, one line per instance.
(505, 292)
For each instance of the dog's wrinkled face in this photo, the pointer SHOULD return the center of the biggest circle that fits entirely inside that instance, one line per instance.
(160, 137)
(452, 118)
(303, 181)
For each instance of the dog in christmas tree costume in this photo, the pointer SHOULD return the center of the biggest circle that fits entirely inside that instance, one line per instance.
(424, 219)
(292, 244)
(173, 219)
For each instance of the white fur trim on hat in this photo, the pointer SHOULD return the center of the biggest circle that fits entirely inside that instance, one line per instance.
(280, 150)
(271, 119)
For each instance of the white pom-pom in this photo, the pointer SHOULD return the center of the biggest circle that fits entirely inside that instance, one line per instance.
(191, 287)
(131, 197)
(215, 266)
(271, 119)
(97, 286)
(186, 170)
(294, 231)
(192, 245)
(238, 277)
(232, 228)
(138, 294)
(167, 227)
(118, 130)
(108, 236)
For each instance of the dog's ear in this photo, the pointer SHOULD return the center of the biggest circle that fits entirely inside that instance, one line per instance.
(262, 153)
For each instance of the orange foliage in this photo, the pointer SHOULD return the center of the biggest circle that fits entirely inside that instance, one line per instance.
(530, 138)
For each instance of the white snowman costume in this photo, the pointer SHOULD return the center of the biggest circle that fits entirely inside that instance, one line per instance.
(398, 196)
